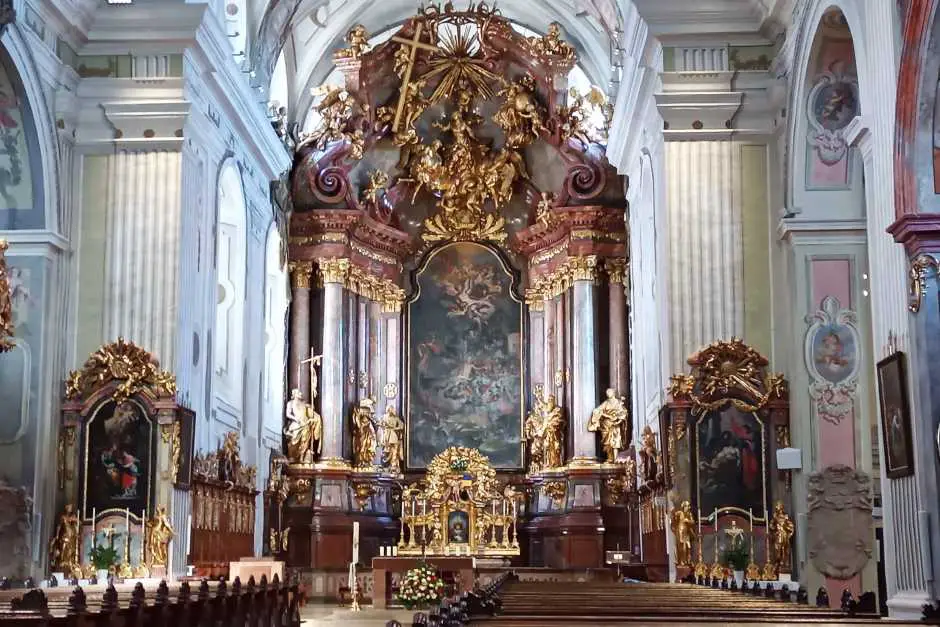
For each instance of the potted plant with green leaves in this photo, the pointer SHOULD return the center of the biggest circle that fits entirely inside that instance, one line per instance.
(104, 558)
(736, 558)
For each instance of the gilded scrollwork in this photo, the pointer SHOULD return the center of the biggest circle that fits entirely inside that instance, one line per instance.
(728, 372)
(120, 361)
(551, 45)
(337, 110)
(921, 265)
(6, 303)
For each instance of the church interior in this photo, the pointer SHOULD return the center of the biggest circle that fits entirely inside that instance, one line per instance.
(535, 312)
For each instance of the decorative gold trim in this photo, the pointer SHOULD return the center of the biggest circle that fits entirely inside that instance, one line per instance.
(170, 434)
(6, 303)
(598, 235)
(120, 361)
(583, 268)
(374, 256)
(300, 272)
(549, 254)
(358, 281)
(322, 238)
(917, 277)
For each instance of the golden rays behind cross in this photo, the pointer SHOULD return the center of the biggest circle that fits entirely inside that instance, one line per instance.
(456, 59)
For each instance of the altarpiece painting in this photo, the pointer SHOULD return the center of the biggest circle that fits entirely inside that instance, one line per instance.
(465, 357)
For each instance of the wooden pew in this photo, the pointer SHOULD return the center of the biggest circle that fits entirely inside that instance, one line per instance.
(211, 603)
(544, 603)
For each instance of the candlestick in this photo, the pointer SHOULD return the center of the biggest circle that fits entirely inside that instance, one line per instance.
(716, 535)
(356, 542)
(189, 533)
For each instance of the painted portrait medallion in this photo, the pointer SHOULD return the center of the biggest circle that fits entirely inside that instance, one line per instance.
(834, 351)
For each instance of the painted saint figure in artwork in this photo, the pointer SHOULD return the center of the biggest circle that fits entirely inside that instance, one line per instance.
(122, 467)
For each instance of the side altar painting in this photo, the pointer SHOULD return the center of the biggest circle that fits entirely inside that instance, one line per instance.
(465, 358)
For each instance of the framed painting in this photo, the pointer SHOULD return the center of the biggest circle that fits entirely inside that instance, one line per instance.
(730, 461)
(465, 357)
(119, 457)
(184, 472)
(895, 416)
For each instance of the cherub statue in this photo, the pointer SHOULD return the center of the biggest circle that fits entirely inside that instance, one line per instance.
(781, 525)
(159, 534)
(683, 528)
(358, 40)
(6, 303)
(609, 418)
(363, 425)
(543, 211)
(304, 430)
(393, 430)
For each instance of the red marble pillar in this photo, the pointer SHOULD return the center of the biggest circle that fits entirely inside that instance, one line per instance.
(299, 373)
(619, 358)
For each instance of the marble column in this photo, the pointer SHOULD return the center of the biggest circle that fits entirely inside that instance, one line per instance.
(558, 374)
(332, 377)
(298, 373)
(619, 359)
(548, 344)
(537, 342)
(364, 338)
(584, 357)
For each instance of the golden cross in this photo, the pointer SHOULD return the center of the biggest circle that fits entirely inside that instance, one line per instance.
(414, 44)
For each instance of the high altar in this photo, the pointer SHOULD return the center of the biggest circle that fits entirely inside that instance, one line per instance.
(458, 324)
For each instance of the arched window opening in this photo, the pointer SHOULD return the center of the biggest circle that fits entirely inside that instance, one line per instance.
(230, 268)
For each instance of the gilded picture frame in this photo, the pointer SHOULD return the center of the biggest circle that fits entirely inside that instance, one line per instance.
(895, 416)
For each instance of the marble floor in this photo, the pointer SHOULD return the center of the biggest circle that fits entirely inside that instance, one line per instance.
(317, 615)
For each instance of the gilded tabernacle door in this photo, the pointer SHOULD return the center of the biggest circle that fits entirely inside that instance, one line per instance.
(466, 357)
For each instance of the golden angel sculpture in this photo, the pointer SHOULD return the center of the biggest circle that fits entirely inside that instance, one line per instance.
(363, 426)
(649, 455)
(159, 534)
(683, 528)
(63, 550)
(393, 434)
(544, 428)
(609, 418)
(304, 430)
(781, 527)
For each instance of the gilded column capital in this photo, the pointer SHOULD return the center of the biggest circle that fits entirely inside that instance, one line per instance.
(616, 269)
(300, 272)
(535, 299)
(583, 268)
(334, 270)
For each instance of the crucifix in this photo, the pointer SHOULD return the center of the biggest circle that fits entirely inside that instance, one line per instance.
(414, 44)
(314, 361)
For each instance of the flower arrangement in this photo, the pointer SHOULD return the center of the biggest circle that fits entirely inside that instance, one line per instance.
(460, 464)
(420, 587)
(735, 557)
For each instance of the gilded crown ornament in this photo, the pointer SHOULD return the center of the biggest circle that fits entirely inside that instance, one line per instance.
(121, 361)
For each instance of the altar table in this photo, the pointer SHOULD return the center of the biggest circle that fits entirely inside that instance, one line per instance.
(383, 567)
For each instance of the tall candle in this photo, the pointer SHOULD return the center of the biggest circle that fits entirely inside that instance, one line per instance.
(189, 533)
(700, 524)
(355, 555)
(750, 513)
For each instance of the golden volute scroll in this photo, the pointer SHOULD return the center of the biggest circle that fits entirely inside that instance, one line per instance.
(683, 528)
(304, 430)
(609, 418)
(158, 536)
(64, 546)
(781, 526)
(363, 426)
(393, 434)
(6, 302)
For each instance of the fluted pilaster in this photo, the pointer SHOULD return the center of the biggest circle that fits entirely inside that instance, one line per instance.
(142, 231)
